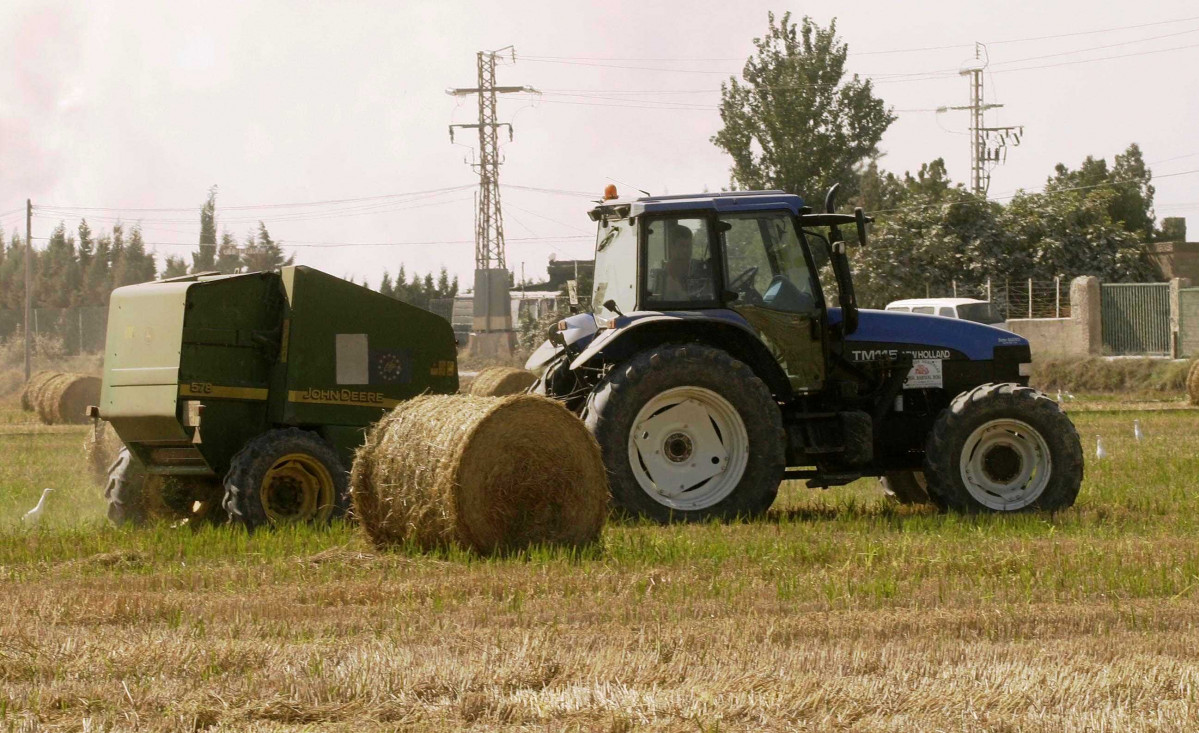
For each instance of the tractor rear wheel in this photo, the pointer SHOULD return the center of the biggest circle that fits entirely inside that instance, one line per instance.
(906, 487)
(1003, 448)
(688, 433)
(287, 476)
(136, 497)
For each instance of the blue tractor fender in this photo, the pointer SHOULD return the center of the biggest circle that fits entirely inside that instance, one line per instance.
(723, 329)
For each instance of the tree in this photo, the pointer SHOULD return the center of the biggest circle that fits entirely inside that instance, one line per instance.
(133, 264)
(1128, 179)
(174, 267)
(794, 122)
(385, 286)
(228, 259)
(264, 254)
(204, 258)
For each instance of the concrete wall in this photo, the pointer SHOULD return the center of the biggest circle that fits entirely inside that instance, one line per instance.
(1079, 336)
(1187, 322)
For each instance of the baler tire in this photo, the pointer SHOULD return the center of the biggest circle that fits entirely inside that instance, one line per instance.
(906, 487)
(123, 491)
(1019, 416)
(252, 465)
(136, 497)
(615, 404)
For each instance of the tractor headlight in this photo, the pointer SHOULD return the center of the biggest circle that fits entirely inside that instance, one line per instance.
(1026, 369)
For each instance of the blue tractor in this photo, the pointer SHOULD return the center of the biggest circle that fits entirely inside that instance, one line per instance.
(713, 366)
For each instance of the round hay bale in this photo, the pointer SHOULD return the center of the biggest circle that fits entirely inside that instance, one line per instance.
(34, 383)
(485, 473)
(1193, 383)
(64, 398)
(100, 449)
(500, 381)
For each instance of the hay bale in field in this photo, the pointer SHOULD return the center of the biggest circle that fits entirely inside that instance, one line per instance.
(100, 449)
(485, 473)
(35, 382)
(64, 398)
(500, 381)
(1193, 383)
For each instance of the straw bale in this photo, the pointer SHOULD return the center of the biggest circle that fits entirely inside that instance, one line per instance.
(100, 449)
(1193, 383)
(500, 381)
(64, 398)
(492, 474)
(34, 383)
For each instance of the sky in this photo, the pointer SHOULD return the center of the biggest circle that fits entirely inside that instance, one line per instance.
(329, 121)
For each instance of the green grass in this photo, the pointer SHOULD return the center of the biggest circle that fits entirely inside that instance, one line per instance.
(839, 610)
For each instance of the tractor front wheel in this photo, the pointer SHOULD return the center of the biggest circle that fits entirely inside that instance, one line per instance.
(287, 476)
(1003, 448)
(688, 433)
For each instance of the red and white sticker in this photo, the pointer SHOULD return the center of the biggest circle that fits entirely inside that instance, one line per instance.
(924, 374)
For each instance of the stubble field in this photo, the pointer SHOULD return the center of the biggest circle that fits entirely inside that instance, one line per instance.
(840, 611)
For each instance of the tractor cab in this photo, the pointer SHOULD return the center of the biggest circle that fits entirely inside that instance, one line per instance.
(746, 261)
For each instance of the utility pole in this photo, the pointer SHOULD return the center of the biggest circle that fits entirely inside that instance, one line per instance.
(491, 271)
(982, 154)
(28, 285)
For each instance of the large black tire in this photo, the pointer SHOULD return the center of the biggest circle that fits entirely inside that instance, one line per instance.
(312, 485)
(135, 497)
(981, 434)
(906, 487)
(123, 491)
(614, 405)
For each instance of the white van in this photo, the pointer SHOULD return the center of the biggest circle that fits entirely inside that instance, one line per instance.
(967, 309)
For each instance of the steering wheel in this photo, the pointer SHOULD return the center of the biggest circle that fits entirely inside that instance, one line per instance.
(744, 281)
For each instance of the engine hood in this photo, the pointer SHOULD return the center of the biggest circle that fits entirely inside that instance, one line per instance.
(974, 341)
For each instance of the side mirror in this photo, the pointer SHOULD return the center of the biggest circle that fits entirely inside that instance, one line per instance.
(611, 305)
(861, 220)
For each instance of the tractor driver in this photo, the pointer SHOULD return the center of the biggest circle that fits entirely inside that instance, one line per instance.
(678, 263)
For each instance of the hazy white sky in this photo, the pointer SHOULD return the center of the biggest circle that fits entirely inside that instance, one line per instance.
(129, 105)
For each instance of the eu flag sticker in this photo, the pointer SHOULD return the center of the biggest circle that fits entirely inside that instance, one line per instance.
(391, 366)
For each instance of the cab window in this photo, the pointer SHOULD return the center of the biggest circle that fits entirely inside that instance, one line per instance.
(948, 312)
(679, 267)
(925, 309)
(764, 263)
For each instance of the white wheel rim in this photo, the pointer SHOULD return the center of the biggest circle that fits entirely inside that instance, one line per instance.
(688, 448)
(1005, 465)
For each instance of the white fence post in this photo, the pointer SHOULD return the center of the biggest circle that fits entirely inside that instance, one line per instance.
(988, 290)
(1057, 297)
(1030, 297)
(955, 287)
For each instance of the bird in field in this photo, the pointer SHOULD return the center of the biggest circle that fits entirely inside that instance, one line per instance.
(34, 515)
(1100, 453)
(1136, 430)
(1059, 397)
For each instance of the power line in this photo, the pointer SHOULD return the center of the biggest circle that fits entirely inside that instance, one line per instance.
(335, 245)
(1102, 58)
(259, 206)
(918, 49)
(1098, 48)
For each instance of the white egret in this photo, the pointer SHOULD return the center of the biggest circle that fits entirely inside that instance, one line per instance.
(34, 515)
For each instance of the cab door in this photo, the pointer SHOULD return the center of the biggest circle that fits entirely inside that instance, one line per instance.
(765, 266)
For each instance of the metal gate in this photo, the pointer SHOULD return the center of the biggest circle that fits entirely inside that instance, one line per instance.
(1136, 318)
